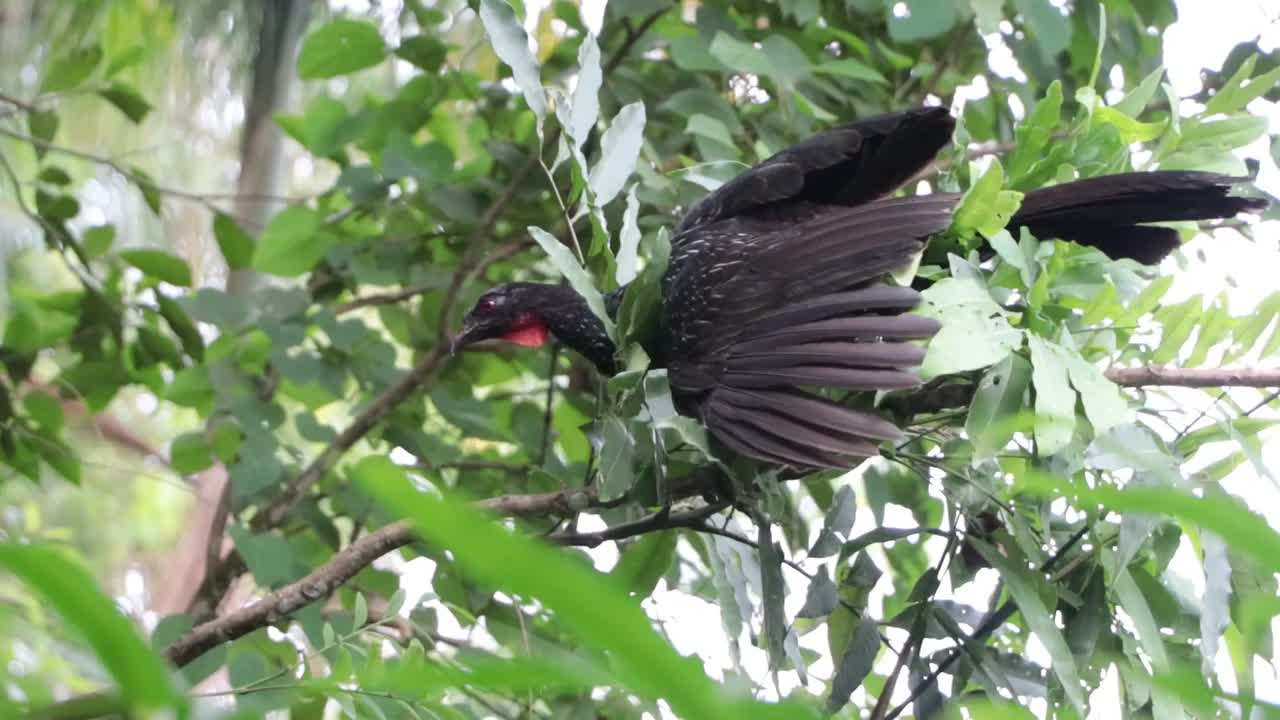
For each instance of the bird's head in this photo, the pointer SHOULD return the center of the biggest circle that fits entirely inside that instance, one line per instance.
(514, 312)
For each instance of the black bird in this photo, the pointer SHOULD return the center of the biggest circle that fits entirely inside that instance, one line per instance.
(777, 281)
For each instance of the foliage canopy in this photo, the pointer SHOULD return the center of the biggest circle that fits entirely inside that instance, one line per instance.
(449, 151)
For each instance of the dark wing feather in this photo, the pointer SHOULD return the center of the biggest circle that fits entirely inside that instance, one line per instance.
(847, 165)
(801, 307)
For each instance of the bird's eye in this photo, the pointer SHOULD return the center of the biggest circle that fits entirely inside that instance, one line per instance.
(487, 305)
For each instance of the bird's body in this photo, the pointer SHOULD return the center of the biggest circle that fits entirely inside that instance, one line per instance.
(776, 282)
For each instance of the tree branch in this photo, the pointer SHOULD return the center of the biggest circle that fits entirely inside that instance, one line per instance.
(1194, 377)
(345, 564)
(948, 395)
(984, 630)
(377, 411)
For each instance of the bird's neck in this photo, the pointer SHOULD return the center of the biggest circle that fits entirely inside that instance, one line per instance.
(571, 321)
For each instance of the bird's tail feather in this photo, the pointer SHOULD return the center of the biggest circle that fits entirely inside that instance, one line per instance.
(1108, 212)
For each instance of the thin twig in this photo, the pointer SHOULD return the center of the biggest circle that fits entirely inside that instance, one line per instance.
(988, 626)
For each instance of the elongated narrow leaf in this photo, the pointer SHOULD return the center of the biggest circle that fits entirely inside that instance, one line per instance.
(773, 597)
(997, 409)
(511, 45)
(1216, 614)
(573, 271)
(1131, 599)
(584, 106)
(619, 151)
(1055, 400)
(67, 588)
(596, 610)
(1023, 587)
(1246, 532)
(855, 664)
(617, 453)
(159, 265)
(629, 241)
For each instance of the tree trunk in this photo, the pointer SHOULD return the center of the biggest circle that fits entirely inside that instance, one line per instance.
(263, 181)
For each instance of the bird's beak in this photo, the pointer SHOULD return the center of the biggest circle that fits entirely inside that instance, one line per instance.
(471, 332)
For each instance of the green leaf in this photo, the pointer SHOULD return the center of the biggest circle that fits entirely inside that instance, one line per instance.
(924, 19)
(709, 127)
(731, 588)
(1177, 323)
(181, 325)
(629, 241)
(985, 207)
(1214, 327)
(645, 561)
(43, 126)
(268, 556)
(98, 239)
(836, 525)
(1222, 431)
(233, 241)
(1216, 612)
(773, 594)
(617, 454)
(777, 58)
(423, 51)
(639, 312)
(45, 409)
(1145, 301)
(360, 614)
(573, 271)
(1224, 134)
(1252, 326)
(1055, 401)
(340, 47)
(1135, 101)
(31, 328)
(1049, 27)
(190, 453)
(1104, 404)
(511, 45)
(855, 663)
(1135, 605)
(159, 265)
(821, 597)
(592, 608)
(619, 152)
(292, 243)
(67, 588)
(68, 71)
(584, 106)
(850, 68)
(1240, 90)
(127, 100)
(996, 411)
(1024, 588)
(1244, 531)
(1131, 131)
(975, 332)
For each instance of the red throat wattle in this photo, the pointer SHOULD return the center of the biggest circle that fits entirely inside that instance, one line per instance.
(527, 330)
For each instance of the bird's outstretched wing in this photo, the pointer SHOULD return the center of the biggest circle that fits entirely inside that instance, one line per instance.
(753, 320)
(846, 165)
